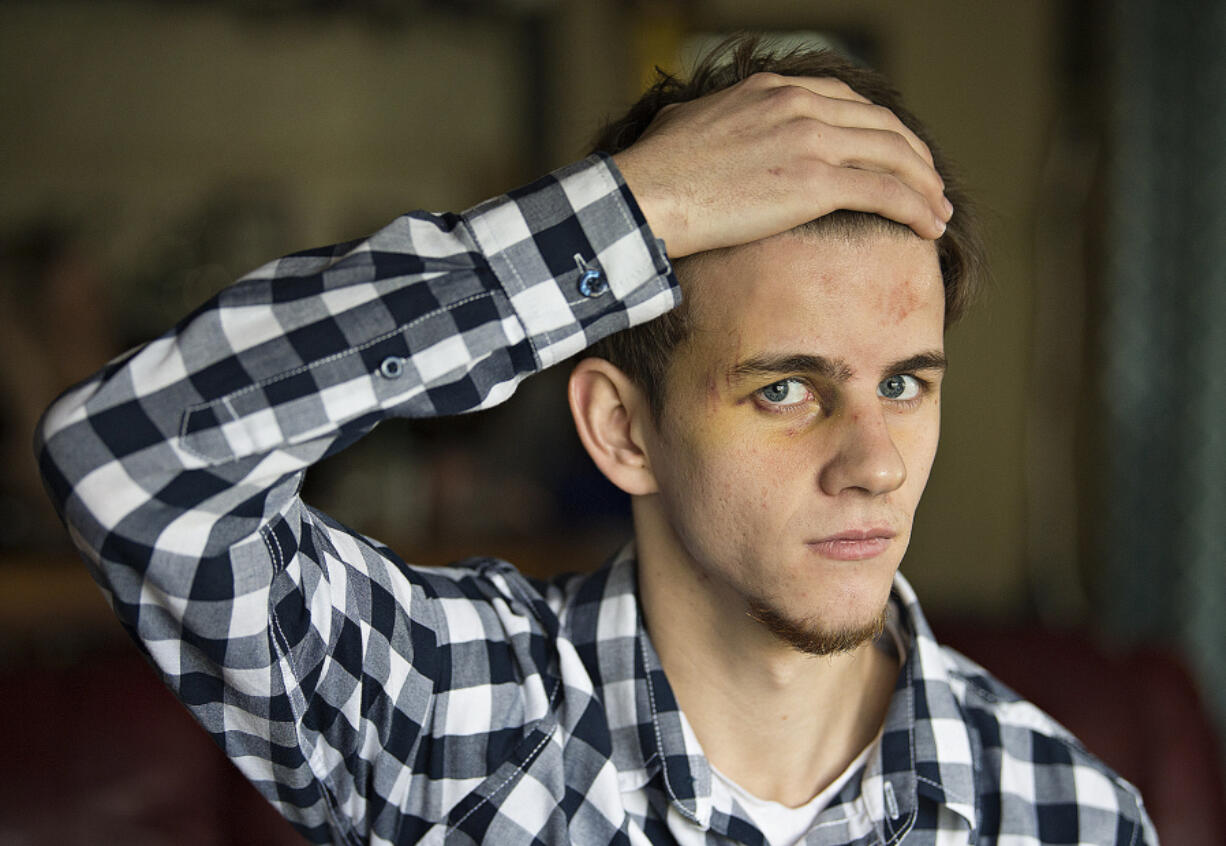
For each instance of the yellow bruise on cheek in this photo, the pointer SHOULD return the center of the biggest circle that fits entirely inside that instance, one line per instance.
(731, 421)
(796, 429)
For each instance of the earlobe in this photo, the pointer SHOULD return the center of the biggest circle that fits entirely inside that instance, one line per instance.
(607, 408)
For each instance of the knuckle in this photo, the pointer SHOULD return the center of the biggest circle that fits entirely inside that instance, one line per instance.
(899, 145)
(816, 130)
(916, 205)
(792, 97)
(934, 182)
(813, 171)
(812, 137)
(884, 116)
(840, 89)
(763, 79)
(900, 200)
(891, 190)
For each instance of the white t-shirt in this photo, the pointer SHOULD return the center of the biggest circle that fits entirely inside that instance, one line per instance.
(784, 826)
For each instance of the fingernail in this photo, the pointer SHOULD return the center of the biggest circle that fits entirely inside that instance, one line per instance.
(949, 207)
(940, 224)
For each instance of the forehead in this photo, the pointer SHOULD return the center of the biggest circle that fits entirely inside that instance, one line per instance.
(863, 298)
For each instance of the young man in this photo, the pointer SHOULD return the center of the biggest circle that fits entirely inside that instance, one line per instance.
(775, 433)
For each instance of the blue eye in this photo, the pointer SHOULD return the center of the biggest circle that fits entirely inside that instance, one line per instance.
(784, 392)
(899, 387)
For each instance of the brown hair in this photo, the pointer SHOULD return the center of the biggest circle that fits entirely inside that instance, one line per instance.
(643, 352)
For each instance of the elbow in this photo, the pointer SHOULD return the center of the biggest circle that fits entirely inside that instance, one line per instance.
(61, 448)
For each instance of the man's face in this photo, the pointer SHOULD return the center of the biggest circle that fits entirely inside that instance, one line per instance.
(801, 421)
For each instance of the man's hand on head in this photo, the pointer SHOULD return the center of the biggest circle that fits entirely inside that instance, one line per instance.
(771, 153)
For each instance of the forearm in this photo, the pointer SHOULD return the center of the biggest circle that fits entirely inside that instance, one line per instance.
(177, 468)
(431, 315)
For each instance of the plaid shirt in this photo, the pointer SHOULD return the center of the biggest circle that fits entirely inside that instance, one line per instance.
(375, 702)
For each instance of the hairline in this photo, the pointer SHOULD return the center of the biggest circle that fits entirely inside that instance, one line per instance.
(858, 228)
(645, 352)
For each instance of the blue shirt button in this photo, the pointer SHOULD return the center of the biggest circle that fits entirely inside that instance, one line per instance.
(392, 367)
(592, 283)
(591, 279)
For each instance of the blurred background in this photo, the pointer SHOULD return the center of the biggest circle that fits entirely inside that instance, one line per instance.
(1072, 537)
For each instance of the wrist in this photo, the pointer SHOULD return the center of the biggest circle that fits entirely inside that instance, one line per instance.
(665, 217)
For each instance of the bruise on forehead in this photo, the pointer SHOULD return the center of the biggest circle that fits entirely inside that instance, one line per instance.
(863, 227)
(901, 301)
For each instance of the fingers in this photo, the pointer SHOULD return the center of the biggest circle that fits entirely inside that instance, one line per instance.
(842, 128)
(772, 152)
(852, 114)
(882, 150)
(827, 86)
(884, 194)
(840, 104)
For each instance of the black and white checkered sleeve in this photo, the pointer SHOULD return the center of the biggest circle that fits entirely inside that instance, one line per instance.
(177, 467)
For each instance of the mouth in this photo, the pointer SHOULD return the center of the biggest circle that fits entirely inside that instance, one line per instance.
(853, 545)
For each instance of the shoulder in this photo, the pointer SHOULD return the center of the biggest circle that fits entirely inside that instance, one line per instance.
(486, 598)
(491, 599)
(1032, 774)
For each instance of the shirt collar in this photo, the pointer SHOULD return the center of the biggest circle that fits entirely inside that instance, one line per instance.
(925, 748)
(650, 738)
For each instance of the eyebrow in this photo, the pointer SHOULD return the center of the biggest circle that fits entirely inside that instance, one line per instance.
(931, 360)
(834, 369)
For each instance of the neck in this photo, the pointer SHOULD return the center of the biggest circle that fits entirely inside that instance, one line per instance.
(780, 723)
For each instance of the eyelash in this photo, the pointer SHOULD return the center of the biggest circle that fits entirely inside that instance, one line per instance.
(922, 384)
(789, 408)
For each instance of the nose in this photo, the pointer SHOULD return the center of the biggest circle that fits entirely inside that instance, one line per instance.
(865, 457)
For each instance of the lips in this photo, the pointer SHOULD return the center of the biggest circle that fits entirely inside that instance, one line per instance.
(854, 544)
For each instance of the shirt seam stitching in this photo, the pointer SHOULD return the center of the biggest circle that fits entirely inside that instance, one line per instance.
(472, 233)
(274, 549)
(655, 723)
(226, 400)
(519, 768)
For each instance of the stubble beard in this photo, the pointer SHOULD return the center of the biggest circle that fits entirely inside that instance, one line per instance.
(811, 637)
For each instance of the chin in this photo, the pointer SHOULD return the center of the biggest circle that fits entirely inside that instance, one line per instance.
(817, 636)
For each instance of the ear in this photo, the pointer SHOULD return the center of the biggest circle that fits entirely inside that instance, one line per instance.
(610, 412)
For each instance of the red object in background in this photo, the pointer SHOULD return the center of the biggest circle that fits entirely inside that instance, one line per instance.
(101, 752)
(1138, 711)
